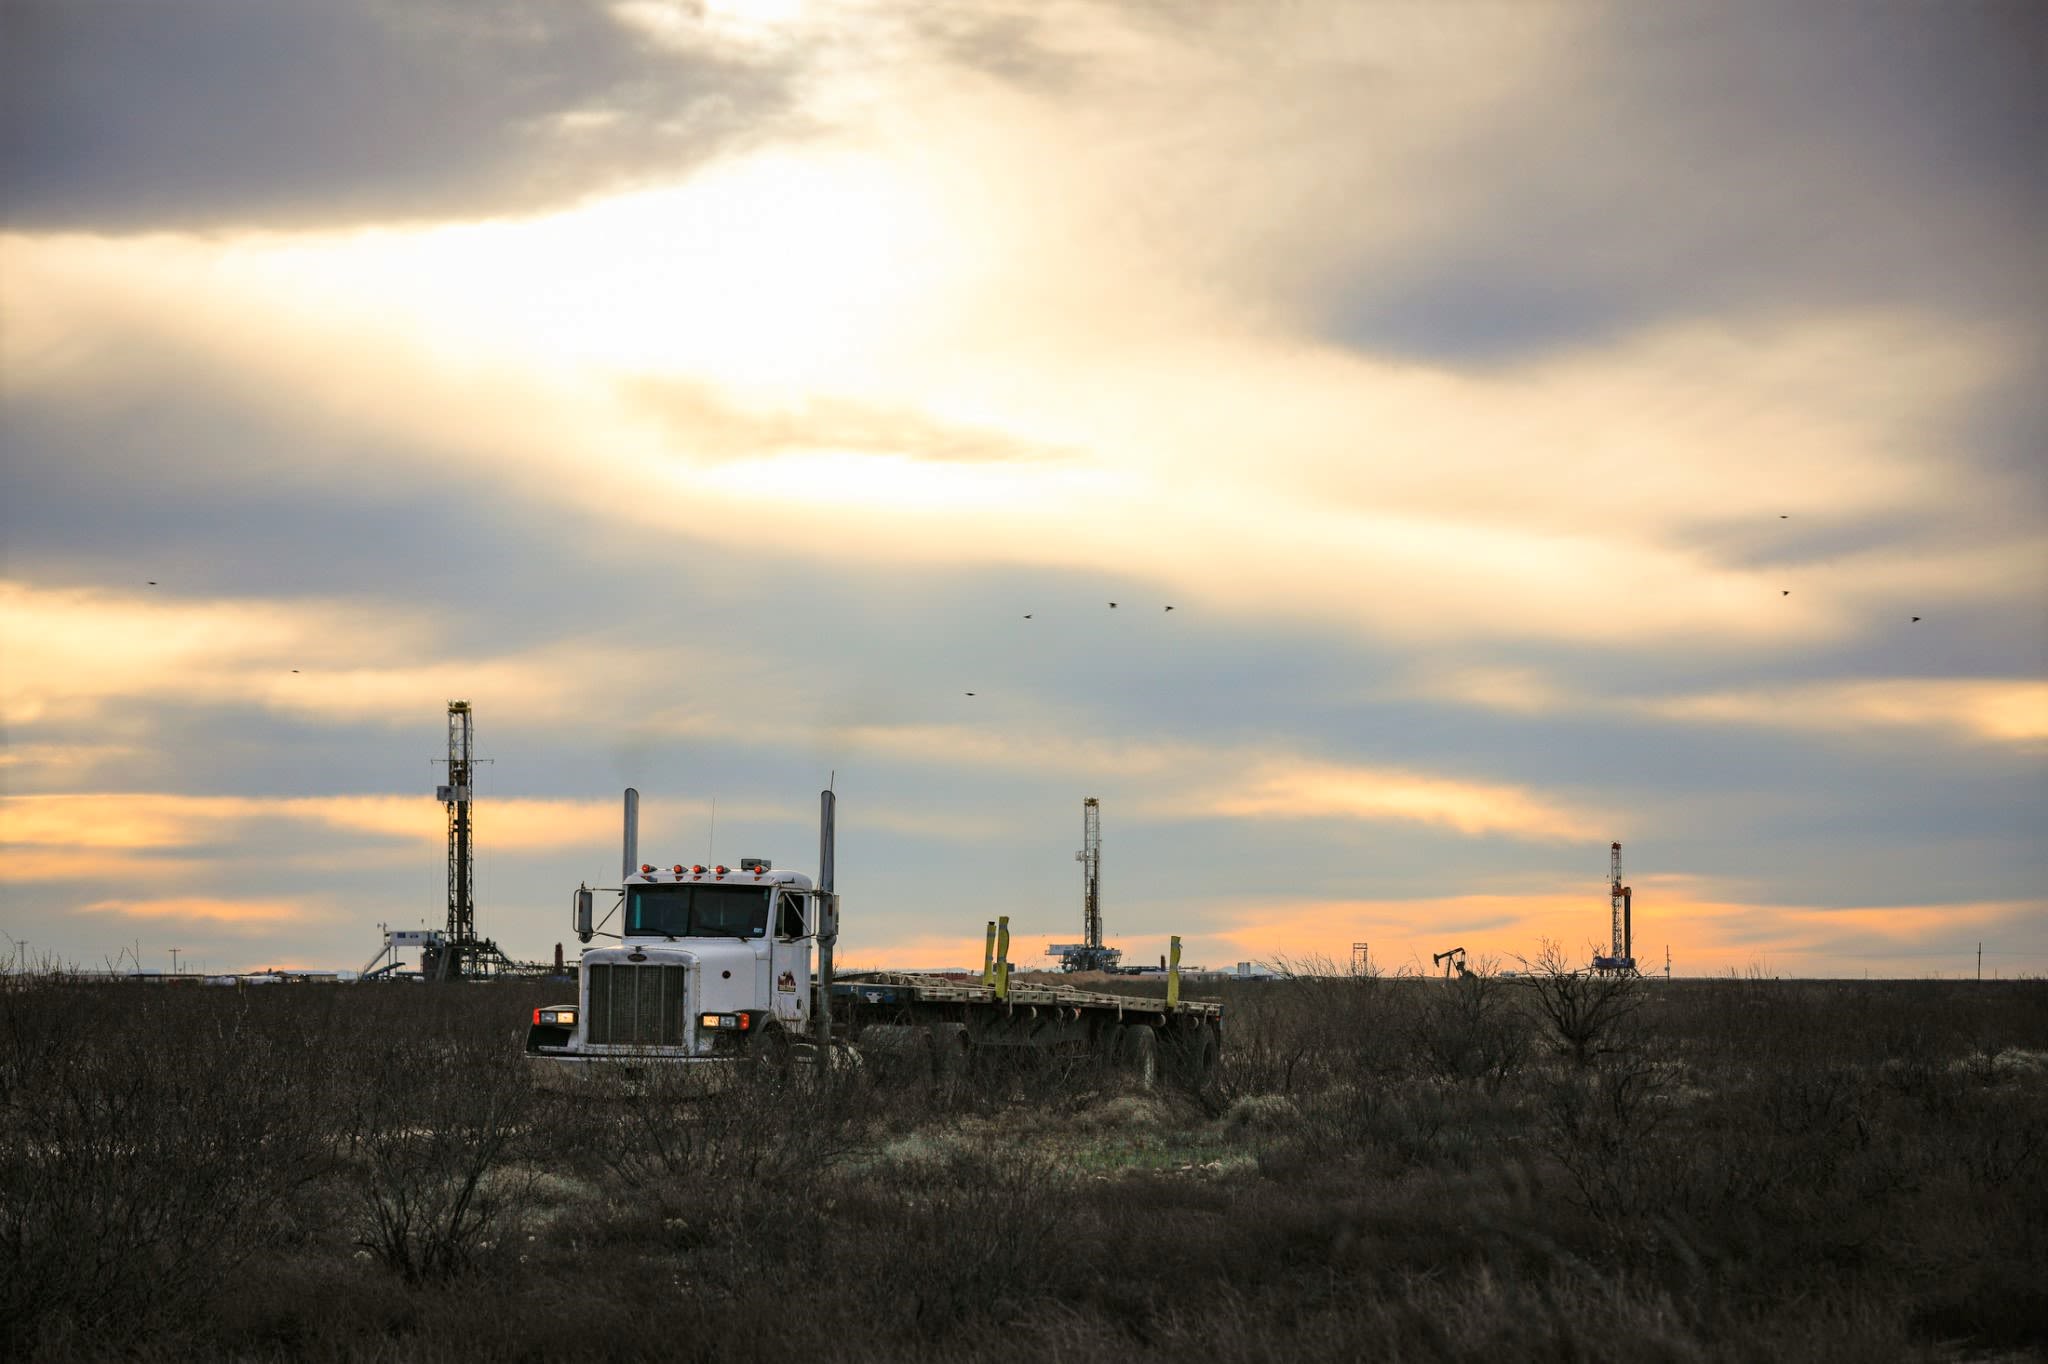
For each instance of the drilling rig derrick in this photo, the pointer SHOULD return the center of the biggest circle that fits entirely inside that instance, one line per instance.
(460, 952)
(1620, 959)
(1089, 954)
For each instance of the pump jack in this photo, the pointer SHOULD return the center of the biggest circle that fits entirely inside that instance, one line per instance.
(1451, 960)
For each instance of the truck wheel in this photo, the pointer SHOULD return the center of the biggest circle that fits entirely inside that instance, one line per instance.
(1109, 1045)
(771, 1049)
(1138, 1050)
(949, 1047)
(1195, 1059)
(895, 1049)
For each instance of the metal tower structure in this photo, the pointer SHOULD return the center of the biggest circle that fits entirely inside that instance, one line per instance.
(1614, 894)
(456, 796)
(460, 952)
(1089, 954)
(1090, 858)
(1620, 958)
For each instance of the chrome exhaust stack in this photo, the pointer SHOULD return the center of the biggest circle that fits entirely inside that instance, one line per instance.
(828, 925)
(630, 862)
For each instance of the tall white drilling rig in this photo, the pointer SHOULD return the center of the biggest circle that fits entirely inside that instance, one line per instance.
(1621, 957)
(1089, 954)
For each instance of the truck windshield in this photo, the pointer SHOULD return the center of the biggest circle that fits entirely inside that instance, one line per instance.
(697, 911)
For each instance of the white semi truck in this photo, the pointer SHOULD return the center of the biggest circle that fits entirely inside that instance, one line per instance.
(718, 963)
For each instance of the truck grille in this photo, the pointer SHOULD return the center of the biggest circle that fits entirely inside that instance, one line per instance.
(636, 1005)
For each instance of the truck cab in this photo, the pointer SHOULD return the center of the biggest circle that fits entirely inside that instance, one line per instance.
(712, 962)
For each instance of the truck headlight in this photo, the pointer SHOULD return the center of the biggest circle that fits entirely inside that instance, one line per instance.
(736, 1021)
(565, 1018)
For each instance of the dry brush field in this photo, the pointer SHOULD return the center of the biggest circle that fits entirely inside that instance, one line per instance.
(1383, 1169)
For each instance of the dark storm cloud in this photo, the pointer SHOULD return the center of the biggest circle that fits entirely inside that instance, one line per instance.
(221, 113)
(1735, 160)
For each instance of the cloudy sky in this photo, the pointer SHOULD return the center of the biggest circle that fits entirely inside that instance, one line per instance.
(1545, 422)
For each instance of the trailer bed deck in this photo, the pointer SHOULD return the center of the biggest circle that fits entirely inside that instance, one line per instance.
(909, 987)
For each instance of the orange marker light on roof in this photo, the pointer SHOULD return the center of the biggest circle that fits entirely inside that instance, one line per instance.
(720, 870)
(647, 869)
(698, 870)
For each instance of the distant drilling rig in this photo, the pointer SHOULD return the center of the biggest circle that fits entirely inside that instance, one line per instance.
(459, 952)
(1621, 957)
(1089, 955)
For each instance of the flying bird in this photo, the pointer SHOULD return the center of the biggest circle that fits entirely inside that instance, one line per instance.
(1169, 608)
(1783, 517)
(152, 582)
(1112, 606)
(1786, 593)
(294, 669)
(970, 693)
(1027, 615)
(1916, 618)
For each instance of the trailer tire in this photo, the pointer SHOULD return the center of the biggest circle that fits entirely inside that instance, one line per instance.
(949, 1047)
(891, 1045)
(1138, 1053)
(1195, 1058)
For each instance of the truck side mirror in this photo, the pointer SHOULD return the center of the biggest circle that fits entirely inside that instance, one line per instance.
(585, 909)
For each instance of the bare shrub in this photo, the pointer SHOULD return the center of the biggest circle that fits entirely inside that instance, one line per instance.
(681, 1128)
(1588, 1015)
(1600, 1124)
(148, 1147)
(187, 1174)
(435, 1124)
(1472, 1028)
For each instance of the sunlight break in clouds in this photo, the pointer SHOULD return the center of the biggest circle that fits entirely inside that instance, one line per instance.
(72, 652)
(114, 822)
(1376, 473)
(242, 914)
(1988, 710)
(1309, 790)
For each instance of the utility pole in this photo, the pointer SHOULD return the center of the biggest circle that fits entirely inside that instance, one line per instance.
(1980, 962)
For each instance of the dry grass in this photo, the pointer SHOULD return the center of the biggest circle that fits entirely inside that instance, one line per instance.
(1388, 1169)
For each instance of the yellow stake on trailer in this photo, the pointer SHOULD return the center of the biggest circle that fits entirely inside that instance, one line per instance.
(988, 956)
(1173, 975)
(1003, 957)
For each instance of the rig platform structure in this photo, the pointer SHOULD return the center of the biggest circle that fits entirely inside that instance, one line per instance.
(1089, 954)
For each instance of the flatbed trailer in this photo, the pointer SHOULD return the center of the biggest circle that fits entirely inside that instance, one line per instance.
(716, 964)
(950, 1020)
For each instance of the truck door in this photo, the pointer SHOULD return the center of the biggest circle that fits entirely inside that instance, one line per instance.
(789, 959)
